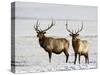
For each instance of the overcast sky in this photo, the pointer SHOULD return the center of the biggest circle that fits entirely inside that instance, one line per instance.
(26, 12)
(38, 10)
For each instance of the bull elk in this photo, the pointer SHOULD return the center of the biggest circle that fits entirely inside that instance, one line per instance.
(50, 44)
(80, 47)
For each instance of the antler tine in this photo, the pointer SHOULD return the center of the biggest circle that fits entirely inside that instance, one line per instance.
(67, 28)
(36, 26)
(79, 30)
(75, 31)
(39, 27)
(52, 24)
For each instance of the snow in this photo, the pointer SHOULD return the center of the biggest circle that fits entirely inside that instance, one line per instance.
(30, 57)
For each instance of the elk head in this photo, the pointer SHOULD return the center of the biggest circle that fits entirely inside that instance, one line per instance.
(74, 34)
(39, 31)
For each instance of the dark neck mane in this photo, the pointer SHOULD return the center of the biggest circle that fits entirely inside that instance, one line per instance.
(42, 40)
(75, 44)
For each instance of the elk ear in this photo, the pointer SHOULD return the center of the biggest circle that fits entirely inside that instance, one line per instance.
(37, 32)
(70, 34)
(77, 34)
(44, 32)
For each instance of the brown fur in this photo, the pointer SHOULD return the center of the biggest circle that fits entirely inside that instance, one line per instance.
(50, 44)
(76, 47)
(80, 47)
(54, 45)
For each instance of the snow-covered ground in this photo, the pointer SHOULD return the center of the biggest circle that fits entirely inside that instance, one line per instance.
(30, 57)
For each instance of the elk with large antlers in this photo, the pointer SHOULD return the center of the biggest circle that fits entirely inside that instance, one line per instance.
(50, 44)
(80, 47)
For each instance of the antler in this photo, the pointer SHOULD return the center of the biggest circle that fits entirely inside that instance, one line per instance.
(52, 24)
(67, 28)
(36, 26)
(80, 29)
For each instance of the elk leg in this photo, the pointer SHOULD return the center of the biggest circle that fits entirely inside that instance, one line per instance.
(50, 54)
(86, 58)
(79, 58)
(67, 55)
(75, 58)
(67, 58)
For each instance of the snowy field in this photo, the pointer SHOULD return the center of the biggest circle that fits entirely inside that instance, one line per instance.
(30, 57)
